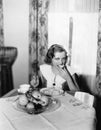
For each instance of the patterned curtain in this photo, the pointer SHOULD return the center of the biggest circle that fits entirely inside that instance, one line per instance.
(1, 24)
(98, 72)
(38, 33)
(1, 30)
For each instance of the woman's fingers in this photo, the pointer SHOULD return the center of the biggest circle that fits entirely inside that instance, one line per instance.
(63, 72)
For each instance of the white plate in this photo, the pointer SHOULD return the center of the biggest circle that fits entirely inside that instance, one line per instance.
(51, 91)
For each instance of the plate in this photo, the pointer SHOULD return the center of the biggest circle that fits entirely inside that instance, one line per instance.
(51, 91)
(52, 106)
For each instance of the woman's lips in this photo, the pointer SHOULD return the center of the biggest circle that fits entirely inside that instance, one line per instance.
(61, 66)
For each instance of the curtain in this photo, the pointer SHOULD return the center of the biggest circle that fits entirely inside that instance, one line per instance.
(74, 24)
(98, 66)
(1, 24)
(1, 30)
(38, 33)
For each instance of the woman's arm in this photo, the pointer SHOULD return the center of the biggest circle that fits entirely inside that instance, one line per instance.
(71, 83)
(76, 80)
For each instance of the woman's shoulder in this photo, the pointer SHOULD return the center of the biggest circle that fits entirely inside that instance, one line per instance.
(46, 70)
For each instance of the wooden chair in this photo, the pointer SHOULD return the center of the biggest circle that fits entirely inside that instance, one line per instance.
(8, 56)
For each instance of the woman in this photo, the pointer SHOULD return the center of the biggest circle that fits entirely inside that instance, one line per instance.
(55, 72)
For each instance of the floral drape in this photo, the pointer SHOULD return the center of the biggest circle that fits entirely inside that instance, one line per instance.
(1, 24)
(98, 72)
(38, 33)
(1, 29)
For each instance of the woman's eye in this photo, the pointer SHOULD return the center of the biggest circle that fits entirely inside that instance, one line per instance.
(64, 58)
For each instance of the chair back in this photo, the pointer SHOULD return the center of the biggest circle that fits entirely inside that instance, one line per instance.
(85, 98)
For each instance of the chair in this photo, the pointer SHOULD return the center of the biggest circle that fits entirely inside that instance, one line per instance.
(85, 97)
(8, 56)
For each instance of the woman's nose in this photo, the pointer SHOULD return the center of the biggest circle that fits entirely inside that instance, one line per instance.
(61, 61)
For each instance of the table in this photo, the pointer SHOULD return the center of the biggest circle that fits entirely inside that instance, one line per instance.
(71, 115)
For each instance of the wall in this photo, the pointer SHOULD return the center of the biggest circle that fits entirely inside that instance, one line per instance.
(16, 25)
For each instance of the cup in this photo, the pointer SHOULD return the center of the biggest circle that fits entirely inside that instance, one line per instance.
(23, 88)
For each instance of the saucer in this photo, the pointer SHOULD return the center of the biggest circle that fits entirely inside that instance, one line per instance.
(51, 91)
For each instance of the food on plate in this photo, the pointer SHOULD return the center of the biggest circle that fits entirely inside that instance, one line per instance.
(44, 100)
(23, 100)
(36, 94)
(52, 91)
(30, 107)
(33, 101)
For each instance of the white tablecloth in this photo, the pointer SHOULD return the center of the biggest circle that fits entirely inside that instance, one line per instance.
(71, 115)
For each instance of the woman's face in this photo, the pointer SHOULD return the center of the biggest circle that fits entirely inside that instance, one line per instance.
(59, 59)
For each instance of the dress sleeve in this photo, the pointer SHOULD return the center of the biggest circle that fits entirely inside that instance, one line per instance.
(71, 70)
(72, 74)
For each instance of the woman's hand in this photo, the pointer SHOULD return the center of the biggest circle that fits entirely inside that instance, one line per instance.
(62, 72)
(65, 74)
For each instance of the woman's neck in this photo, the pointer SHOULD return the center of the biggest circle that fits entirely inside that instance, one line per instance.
(54, 70)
